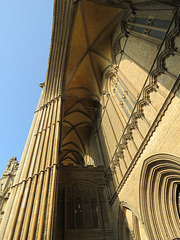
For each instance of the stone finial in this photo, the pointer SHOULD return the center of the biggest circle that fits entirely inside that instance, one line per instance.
(42, 84)
(11, 167)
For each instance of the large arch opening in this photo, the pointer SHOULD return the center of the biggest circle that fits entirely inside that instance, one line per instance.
(159, 186)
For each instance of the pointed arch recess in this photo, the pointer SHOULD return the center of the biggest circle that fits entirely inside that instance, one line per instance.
(159, 180)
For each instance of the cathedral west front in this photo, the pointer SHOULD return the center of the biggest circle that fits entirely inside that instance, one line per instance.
(102, 158)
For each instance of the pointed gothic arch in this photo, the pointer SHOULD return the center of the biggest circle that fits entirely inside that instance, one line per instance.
(160, 178)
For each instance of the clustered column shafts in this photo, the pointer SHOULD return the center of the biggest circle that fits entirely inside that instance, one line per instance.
(17, 191)
(42, 160)
(62, 25)
(30, 210)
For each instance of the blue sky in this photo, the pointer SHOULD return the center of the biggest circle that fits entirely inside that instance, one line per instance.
(25, 34)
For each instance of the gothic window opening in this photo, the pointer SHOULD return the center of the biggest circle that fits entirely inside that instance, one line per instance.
(81, 210)
(155, 28)
(87, 211)
(178, 199)
(78, 213)
(94, 209)
(70, 214)
(123, 96)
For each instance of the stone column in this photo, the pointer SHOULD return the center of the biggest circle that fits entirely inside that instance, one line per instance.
(31, 207)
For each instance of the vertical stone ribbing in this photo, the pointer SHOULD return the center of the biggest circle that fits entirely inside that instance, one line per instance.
(36, 197)
(31, 205)
(9, 222)
(63, 20)
(43, 152)
(15, 191)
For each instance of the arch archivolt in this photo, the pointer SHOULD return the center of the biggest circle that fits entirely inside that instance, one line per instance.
(159, 179)
(130, 225)
(131, 208)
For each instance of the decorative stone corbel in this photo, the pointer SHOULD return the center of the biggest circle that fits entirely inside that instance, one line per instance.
(123, 97)
(108, 176)
(121, 103)
(104, 92)
(116, 160)
(120, 151)
(112, 167)
(128, 136)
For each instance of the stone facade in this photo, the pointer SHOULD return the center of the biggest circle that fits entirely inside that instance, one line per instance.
(111, 99)
(6, 181)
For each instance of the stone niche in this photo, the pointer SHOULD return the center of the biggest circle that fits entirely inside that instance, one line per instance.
(83, 210)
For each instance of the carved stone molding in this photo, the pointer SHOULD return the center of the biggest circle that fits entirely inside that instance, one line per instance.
(159, 179)
(6, 182)
(151, 86)
(147, 138)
